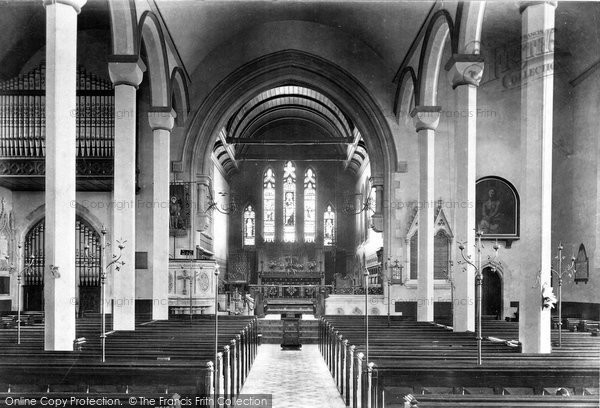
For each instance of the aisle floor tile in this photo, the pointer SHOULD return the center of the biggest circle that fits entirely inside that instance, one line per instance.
(295, 378)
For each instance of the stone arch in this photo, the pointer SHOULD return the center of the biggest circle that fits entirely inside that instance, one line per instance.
(405, 92)
(290, 67)
(180, 99)
(123, 19)
(496, 268)
(430, 61)
(151, 35)
(469, 20)
(39, 213)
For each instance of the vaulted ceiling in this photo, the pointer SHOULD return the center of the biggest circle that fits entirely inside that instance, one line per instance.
(386, 27)
(294, 122)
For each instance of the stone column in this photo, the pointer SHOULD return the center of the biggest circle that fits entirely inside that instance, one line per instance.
(426, 120)
(464, 73)
(161, 124)
(537, 55)
(59, 277)
(126, 77)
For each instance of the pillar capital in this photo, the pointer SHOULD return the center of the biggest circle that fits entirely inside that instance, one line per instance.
(76, 4)
(161, 119)
(127, 73)
(464, 69)
(426, 117)
(203, 179)
(376, 181)
(524, 4)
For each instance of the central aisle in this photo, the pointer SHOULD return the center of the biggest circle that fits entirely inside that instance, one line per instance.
(296, 379)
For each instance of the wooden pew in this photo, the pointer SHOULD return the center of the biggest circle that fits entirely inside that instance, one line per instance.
(176, 354)
(423, 352)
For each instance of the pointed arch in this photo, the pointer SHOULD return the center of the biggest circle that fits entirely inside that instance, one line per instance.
(310, 205)
(249, 225)
(87, 264)
(269, 205)
(289, 202)
(180, 99)
(406, 93)
(430, 61)
(469, 20)
(329, 225)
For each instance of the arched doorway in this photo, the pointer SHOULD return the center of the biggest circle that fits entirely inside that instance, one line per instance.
(87, 264)
(491, 293)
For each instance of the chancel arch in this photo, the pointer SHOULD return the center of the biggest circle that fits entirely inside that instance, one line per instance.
(288, 68)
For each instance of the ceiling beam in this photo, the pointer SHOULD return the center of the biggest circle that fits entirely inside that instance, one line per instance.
(295, 159)
(352, 149)
(228, 148)
(289, 142)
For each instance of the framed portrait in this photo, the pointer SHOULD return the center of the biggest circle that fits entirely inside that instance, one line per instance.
(497, 209)
(179, 209)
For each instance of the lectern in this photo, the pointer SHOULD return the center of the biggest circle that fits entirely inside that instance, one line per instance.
(291, 333)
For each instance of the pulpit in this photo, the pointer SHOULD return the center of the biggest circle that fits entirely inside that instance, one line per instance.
(191, 287)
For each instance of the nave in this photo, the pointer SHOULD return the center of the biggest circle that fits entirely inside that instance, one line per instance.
(193, 170)
(421, 364)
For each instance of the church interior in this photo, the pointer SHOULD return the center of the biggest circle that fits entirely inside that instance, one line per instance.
(299, 203)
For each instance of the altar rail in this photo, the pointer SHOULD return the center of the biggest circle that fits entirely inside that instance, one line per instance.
(282, 291)
(358, 290)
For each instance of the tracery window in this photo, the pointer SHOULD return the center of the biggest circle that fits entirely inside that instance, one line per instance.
(249, 225)
(441, 255)
(329, 226)
(289, 202)
(269, 205)
(310, 202)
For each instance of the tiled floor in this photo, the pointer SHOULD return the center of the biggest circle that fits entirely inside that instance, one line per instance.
(296, 379)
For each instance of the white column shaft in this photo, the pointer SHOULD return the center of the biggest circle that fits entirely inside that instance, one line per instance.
(425, 237)
(465, 159)
(160, 225)
(536, 136)
(61, 61)
(124, 206)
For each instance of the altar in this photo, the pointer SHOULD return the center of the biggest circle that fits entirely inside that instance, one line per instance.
(291, 280)
(192, 286)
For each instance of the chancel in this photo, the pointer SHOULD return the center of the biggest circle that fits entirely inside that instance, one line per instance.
(368, 203)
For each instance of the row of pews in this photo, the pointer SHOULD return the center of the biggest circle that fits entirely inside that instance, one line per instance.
(170, 362)
(428, 365)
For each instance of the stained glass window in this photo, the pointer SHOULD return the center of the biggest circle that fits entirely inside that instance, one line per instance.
(269, 205)
(289, 202)
(310, 200)
(329, 226)
(249, 220)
